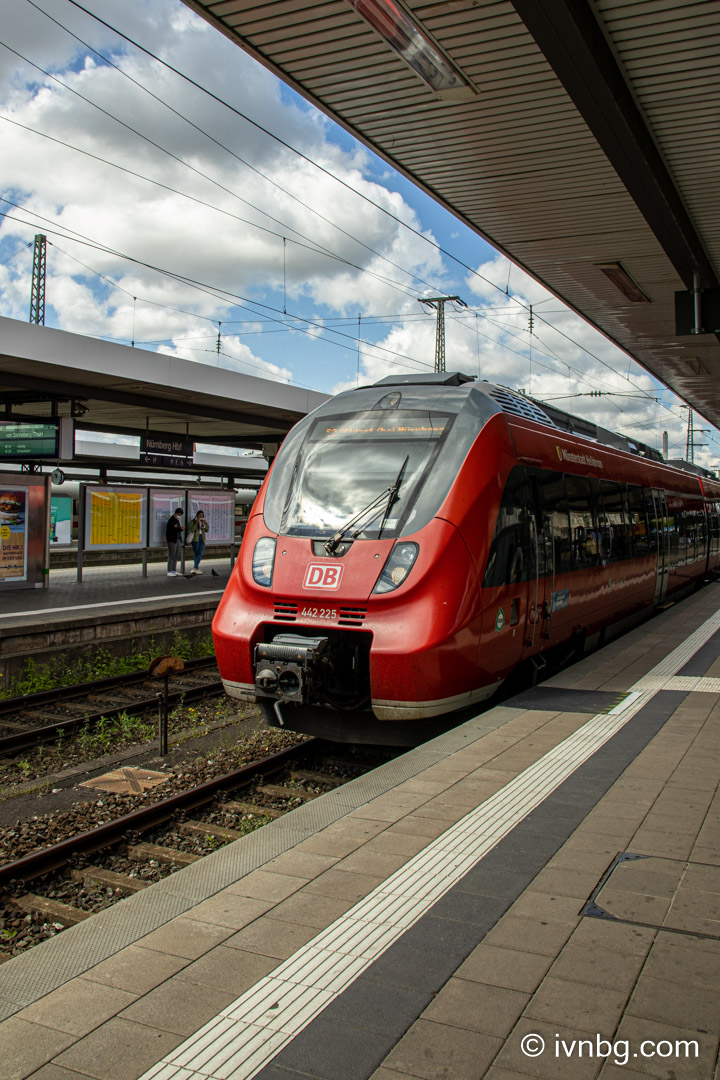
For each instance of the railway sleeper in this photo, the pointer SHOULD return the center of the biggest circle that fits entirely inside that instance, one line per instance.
(171, 856)
(308, 777)
(275, 791)
(52, 718)
(53, 911)
(204, 828)
(109, 879)
(345, 763)
(246, 808)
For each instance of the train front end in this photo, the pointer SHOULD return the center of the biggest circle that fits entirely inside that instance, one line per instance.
(353, 606)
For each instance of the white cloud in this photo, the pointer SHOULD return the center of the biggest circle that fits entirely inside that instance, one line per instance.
(215, 244)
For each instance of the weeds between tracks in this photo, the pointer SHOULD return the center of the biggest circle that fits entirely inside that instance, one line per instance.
(99, 663)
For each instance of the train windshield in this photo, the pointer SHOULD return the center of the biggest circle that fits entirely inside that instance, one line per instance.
(348, 466)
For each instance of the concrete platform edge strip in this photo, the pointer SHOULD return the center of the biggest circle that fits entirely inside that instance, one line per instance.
(77, 608)
(247, 1035)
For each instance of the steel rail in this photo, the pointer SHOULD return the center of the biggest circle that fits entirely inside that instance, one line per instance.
(38, 736)
(62, 693)
(59, 855)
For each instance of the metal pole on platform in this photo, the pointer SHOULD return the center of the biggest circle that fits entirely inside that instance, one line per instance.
(81, 532)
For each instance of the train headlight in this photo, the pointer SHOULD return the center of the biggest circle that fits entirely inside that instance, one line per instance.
(397, 568)
(263, 561)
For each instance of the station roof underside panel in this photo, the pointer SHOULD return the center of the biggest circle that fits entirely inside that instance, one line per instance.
(130, 391)
(591, 139)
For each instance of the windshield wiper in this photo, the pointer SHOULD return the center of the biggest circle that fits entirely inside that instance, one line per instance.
(393, 494)
(389, 494)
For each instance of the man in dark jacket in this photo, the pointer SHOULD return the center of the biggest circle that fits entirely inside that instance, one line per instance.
(173, 535)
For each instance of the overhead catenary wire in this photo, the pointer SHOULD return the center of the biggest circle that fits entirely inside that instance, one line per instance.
(263, 315)
(203, 202)
(265, 367)
(228, 150)
(329, 173)
(362, 195)
(216, 291)
(337, 179)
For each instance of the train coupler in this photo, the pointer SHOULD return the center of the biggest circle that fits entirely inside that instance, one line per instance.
(284, 667)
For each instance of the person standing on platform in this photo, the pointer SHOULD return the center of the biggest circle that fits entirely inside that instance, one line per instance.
(173, 535)
(198, 529)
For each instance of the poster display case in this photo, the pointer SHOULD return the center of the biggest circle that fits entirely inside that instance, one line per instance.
(219, 510)
(120, 518)
(163, 504)
(115, 518)
(24, 531)
(61, 513)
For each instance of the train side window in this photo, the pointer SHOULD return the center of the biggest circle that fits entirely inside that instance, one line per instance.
(613, 495)
(686, 536)
(713, 527)
(511, 557)
(556, 523)
(676, 530)
(637, 519)
(602, 525)
(654, 525)
(586, 541)
(699, 532)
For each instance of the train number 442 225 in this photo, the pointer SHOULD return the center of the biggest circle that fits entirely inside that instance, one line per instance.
(318, 613)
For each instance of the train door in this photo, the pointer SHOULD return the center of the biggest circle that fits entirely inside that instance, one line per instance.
(658, 531)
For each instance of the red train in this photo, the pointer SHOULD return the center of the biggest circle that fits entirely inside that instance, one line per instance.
(418, 539)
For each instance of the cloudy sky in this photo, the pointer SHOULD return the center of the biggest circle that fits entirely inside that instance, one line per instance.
(251, 232)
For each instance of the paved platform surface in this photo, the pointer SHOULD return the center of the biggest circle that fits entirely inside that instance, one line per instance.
(535, 893)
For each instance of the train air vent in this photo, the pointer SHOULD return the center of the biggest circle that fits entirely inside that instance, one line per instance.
(286, 610)
(352, 616)
(520, 405)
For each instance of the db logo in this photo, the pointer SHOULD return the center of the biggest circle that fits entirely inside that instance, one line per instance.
(323, 576)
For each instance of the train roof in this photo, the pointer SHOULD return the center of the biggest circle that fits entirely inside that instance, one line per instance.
(520, 404)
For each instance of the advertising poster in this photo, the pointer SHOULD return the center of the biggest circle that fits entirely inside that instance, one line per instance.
(13, 534)
(163, 504)
(115, 517)
(61, 510)
(219, 510)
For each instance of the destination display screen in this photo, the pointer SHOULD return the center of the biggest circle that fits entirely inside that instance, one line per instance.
(392, 427)
(28, 439)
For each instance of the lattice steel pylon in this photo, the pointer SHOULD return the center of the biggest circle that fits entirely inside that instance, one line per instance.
(439, 302)
(37, 292)
(690, 444)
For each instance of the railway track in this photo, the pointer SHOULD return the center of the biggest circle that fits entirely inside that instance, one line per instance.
(40, 719)
(63, 883)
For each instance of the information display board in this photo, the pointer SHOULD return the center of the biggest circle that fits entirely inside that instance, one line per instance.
(219, 510)
(163, 504)
(23, 440)
(115, 517)
(61, 512)
(13, 533)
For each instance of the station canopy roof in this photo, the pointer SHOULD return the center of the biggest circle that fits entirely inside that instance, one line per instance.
(577, 136)
(121, 390)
